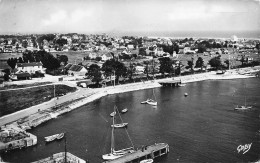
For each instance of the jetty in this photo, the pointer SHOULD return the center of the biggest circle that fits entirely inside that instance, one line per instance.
(62, 157)
(170, 83)
(146, 152)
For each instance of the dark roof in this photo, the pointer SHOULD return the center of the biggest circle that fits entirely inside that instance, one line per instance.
(22, 75)
(29, 64)
(76, 68)
(68, 66)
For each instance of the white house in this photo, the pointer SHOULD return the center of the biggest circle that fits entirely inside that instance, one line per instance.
(30, 67)
(106, 56)
(76, 70)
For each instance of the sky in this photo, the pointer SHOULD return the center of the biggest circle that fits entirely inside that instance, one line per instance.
(112, 16)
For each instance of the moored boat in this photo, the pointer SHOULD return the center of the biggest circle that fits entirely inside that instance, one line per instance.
(60, 136)
(120, 125)
(145, 102)
(113, 114)
(152, 102)
(51, 138)
(147, 161)
(243, 107)
(124, 110)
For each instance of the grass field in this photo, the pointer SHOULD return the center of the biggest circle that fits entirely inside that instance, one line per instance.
(12, 101)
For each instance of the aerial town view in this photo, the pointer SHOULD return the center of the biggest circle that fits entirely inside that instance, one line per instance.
(129, 81)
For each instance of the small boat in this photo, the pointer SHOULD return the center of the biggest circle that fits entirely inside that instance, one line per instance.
(219, 72)
(60, 136)
(145, 102)
(124, 110)
(147, 161)
(51, 138)
(113, 114)
(243, 107)
(119, 125)
(152, 102)
(185, 94)
(181, 85)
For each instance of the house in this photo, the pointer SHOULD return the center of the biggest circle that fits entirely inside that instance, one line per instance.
(76, 70)
(187, 50)
(106, 56)
(92, 55)
(30, 67)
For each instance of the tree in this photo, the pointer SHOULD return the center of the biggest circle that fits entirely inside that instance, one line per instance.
(243, 60)
(142, 51)
(146, 69)
(131, 70)
(94, 72)
(199, 63)
(12, 62)
(215, 62)
(28, 56)
(190, 64)
(165, 65)
(62, 58)
(114, 66)
(48, 60)
(227, 63)
(25, 44)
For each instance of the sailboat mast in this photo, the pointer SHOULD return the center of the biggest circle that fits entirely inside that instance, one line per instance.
(112, 136)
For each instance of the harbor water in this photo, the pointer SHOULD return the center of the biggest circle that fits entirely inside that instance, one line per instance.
(202, 127)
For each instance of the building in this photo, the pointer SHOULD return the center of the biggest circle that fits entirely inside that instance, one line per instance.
(76, 70)
(30, 67)
(13, 137)
(106, 56)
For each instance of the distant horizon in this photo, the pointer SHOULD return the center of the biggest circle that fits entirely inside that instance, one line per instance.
(170, 34)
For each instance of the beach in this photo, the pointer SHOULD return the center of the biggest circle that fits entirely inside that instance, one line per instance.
(86, 95)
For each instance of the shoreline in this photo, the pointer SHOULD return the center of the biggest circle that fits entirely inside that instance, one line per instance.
(98, 93)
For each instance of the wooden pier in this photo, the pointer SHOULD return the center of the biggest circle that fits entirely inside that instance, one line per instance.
(170, 83)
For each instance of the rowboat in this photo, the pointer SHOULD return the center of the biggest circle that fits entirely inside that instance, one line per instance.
(147, 161)
(113, 114)
(51, 138)
(120, 125)
(60, 136)
(124, 110)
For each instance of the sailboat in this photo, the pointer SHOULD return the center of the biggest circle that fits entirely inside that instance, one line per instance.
(151, 101)
(117, 153)
(243, 107)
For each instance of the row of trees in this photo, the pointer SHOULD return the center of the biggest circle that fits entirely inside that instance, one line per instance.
(48, 60)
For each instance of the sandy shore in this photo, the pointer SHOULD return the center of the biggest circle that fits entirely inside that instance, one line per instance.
(90, 95)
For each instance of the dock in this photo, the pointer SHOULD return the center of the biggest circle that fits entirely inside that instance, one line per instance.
(147, 152)
(60, 157)
(170, 83)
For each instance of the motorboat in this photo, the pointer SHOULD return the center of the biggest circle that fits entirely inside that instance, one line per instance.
(120, 125)
(124, 110)
(147, 161)
(113, 114)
